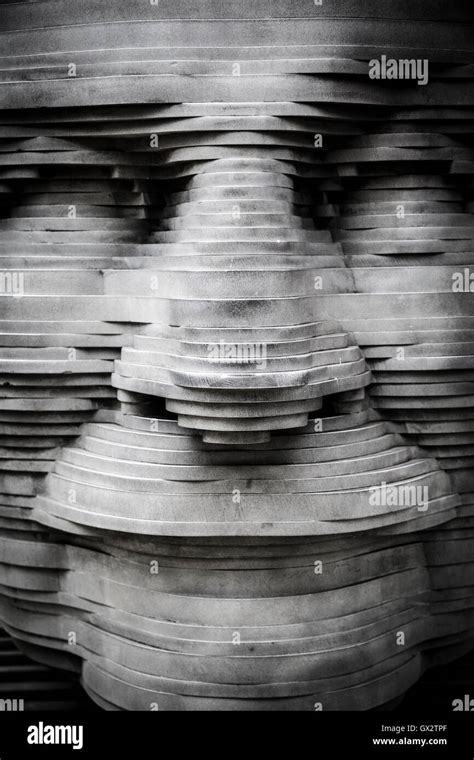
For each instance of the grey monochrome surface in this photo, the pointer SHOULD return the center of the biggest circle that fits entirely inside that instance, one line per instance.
(237, 348)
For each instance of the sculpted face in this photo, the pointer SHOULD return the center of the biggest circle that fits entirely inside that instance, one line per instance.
(236, 351)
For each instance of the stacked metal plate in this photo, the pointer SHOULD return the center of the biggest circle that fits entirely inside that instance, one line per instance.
(236, 346)
(28, 686)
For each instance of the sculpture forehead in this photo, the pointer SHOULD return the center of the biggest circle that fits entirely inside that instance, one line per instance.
(224, 52)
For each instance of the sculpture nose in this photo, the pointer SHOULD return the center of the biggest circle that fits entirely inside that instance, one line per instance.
(240, 351)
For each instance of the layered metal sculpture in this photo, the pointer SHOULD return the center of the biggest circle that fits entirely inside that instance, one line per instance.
(236, 356)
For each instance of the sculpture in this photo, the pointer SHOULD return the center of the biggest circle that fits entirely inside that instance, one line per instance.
(236, 395)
